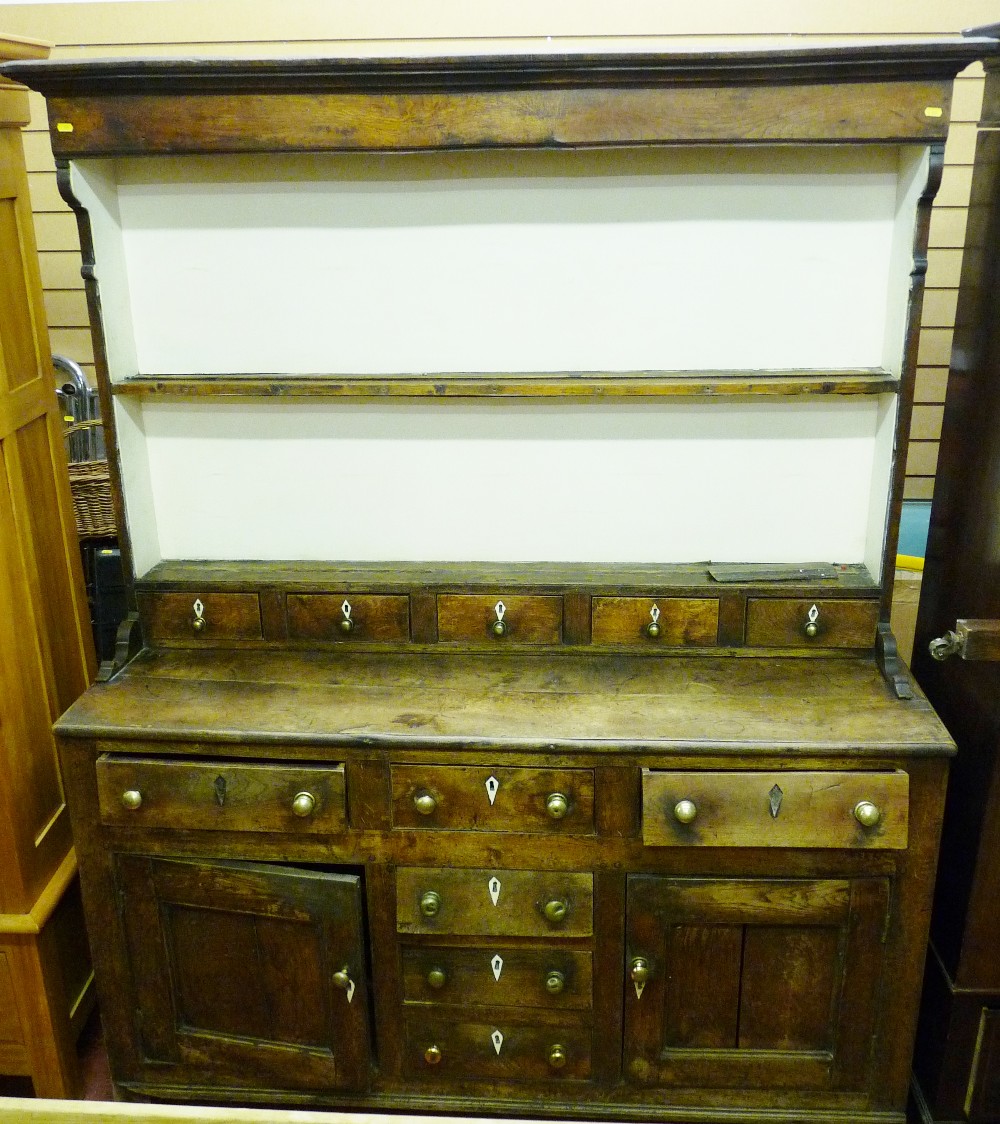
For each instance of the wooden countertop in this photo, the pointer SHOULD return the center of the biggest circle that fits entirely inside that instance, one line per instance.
(585, 702)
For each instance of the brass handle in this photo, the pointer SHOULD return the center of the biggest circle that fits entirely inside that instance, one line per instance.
(436, 978)
(811, 626)
(198, 624)
(132, 799)
(557, 1057)
(685, 811)
(555, 981)
(555, 911)
(867, 814)
(432, 1055)
(639, 970)
(342, 979)
(346, 624)
(425, 803)
(499, 628)
(430, 903)
(556, 805)
(653, 630)
(303, 804)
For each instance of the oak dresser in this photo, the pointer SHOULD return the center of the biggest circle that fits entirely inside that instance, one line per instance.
(509, 462)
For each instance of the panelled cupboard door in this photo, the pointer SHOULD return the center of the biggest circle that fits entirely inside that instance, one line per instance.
(763, 983)
(247, 974)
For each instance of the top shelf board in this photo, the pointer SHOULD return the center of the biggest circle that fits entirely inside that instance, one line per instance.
(885, 92)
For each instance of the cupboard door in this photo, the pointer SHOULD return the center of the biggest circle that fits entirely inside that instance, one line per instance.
(765, 983)
(253, 975)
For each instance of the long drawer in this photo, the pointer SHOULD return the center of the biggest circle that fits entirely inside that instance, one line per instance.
(220, 795)
(792, 809)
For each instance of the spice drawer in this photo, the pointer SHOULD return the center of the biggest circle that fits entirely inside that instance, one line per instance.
(201, 616)
(350, 618)
(496, 1050)
(481, 799)
(498, 976)
(784, 623)
(794, 809)
(515, 903)
(220, 795)
(670, 622)
(499, 619)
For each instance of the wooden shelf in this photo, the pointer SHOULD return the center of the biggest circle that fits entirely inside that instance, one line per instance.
(589, 384)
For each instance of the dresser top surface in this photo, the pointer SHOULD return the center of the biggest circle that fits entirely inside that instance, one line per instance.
(509, 702)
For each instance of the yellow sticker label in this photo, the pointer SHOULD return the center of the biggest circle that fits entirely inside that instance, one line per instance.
(934, 111)
(63, 127)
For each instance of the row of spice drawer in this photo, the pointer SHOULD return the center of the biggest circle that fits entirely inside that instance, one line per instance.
(515, 619)
(751, 808)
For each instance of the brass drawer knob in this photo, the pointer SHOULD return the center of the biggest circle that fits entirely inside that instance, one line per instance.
(555, 981)
(556, 805)
(198, 622)
(303, 804)
(557, 1057)
(430, 903)
(811, 627)
(867, 814)
(342, 979)
(425, 803)
(639, 970)
(132, 799)
(437, 978)
(685, 811)
(346, 620)
(498, 626)
(555, 911)
(432, 1055)
(653, 630)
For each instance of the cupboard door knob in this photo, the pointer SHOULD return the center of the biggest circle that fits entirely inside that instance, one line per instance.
(432, 1055)
(556, 805)
(342, 979)
(555, 981)
(425, 803)
(437, 978)
(132, 799)
(557, 1057)
(639, 970)
(555, 911)
(303, 804)
(430, 903)
(685, 811)
(867, 814)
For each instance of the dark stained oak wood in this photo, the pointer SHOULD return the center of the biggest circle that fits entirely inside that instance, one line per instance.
(226, 616)
(678, 622)
(526, 619)
(781, 622)
(370, 617)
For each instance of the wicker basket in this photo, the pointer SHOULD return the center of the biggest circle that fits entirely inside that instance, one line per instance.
(90, 484)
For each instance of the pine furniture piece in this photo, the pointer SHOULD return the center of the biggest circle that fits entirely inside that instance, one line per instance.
(957, 1061)
(635, 814)
(47, 657)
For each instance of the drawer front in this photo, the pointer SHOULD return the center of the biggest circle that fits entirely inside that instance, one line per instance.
(220, 795)
(350, 618)
(480, 799)
(499, 619)
(669, 622)
(498, 1051)
(497, 976)
(515, 903)
(778, 623)
(794, 809)
(202, 616)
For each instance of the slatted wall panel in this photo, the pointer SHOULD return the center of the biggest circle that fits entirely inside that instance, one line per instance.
(358, 27)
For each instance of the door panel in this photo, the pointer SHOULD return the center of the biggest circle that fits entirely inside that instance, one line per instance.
(234, 968)
(766, 982)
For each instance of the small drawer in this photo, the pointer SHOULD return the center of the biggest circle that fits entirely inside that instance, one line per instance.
(668, 622)
(779, 623)
(794, 809)
(496, 1051)
(347, 617)
(480, 799)
(497, 976)
(514, 903)
(499, 619)
(202, 616)
(220, 795)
